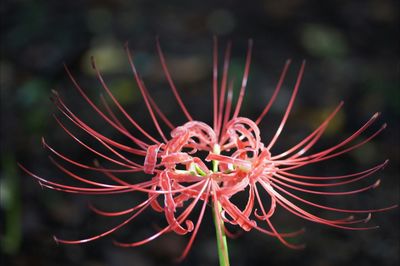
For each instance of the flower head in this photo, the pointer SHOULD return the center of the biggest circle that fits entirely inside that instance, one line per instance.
(237, 161)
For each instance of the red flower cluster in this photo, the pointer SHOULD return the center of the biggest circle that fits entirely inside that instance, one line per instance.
(241, 163)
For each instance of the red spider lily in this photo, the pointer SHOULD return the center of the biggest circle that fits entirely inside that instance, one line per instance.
(241, 163)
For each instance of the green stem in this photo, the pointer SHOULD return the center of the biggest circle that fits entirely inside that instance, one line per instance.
(219, 223)
(221, 237)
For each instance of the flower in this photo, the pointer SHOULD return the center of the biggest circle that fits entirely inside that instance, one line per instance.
(237, 161)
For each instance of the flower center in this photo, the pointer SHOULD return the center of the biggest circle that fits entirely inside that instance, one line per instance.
(233, 154)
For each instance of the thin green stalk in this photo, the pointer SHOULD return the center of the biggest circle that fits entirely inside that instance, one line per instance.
(221, 237)
(219, 224)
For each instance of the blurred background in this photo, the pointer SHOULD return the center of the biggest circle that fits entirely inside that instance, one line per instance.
(352, 53)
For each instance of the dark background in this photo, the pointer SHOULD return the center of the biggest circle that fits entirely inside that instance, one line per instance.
(352, 53)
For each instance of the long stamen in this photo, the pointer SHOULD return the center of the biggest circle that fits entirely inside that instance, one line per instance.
(144, 93)
(244, 80)
(171, 83)
(223, 87)
(215, 83)
(289, 107)
(80, 90)
(276, 91)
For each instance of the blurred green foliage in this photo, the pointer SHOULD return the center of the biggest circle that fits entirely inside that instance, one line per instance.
(323, 41)
(10, 201)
